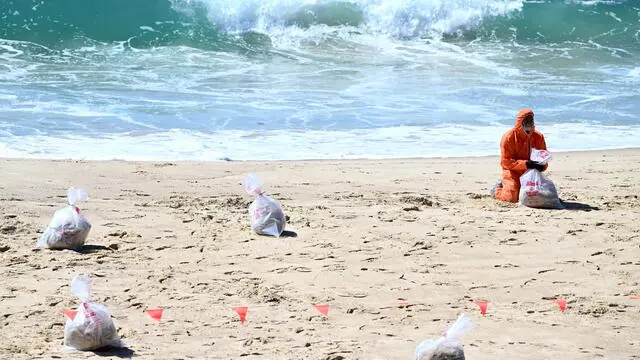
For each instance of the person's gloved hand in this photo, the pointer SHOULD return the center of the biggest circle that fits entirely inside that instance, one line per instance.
(535, 165)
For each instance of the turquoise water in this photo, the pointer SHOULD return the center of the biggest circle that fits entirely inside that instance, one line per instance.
(281, 79)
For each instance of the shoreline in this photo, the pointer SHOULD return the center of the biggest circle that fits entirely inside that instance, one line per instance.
(311, 160)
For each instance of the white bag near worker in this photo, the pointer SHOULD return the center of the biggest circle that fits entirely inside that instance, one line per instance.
(69, 227)
(92, 327)
(267, 217)
(536, 190)
(449, 346)
(540, 156)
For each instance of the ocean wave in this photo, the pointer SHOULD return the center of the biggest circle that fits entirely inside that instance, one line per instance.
(252, 24)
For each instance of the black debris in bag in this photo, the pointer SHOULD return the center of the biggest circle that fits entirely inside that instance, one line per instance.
(447, 347)
(536, 190)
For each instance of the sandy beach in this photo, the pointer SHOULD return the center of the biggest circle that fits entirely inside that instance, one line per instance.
(396, 248)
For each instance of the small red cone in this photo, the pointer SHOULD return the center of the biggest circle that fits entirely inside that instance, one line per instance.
(71, 314)
(634, 297)
(242, 312)
(483, 306)
(323, 309)
(562, 304)
(155, 314)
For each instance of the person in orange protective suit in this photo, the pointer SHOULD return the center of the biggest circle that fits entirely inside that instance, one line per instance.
(515, 148)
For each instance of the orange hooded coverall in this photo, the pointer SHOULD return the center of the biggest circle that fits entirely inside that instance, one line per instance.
(515, 148)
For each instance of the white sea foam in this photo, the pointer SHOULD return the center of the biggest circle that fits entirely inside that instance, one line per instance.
(394, 142)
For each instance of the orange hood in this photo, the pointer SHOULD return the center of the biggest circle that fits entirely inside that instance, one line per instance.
(521, 115)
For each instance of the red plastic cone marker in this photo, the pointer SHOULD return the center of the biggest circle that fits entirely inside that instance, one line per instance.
(401, 303)
(242, 312)
(562, 304)
(323, 309)
(483, 306)
(634, 297)
(71, 314)
(156, 314)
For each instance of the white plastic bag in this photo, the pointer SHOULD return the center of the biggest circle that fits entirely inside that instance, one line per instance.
(541, 156)
(92, 327)
(536, 190)
(69, 228)
(449, 346)
(267, 217)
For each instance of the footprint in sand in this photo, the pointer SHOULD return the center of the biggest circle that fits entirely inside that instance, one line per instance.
(511, 242)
